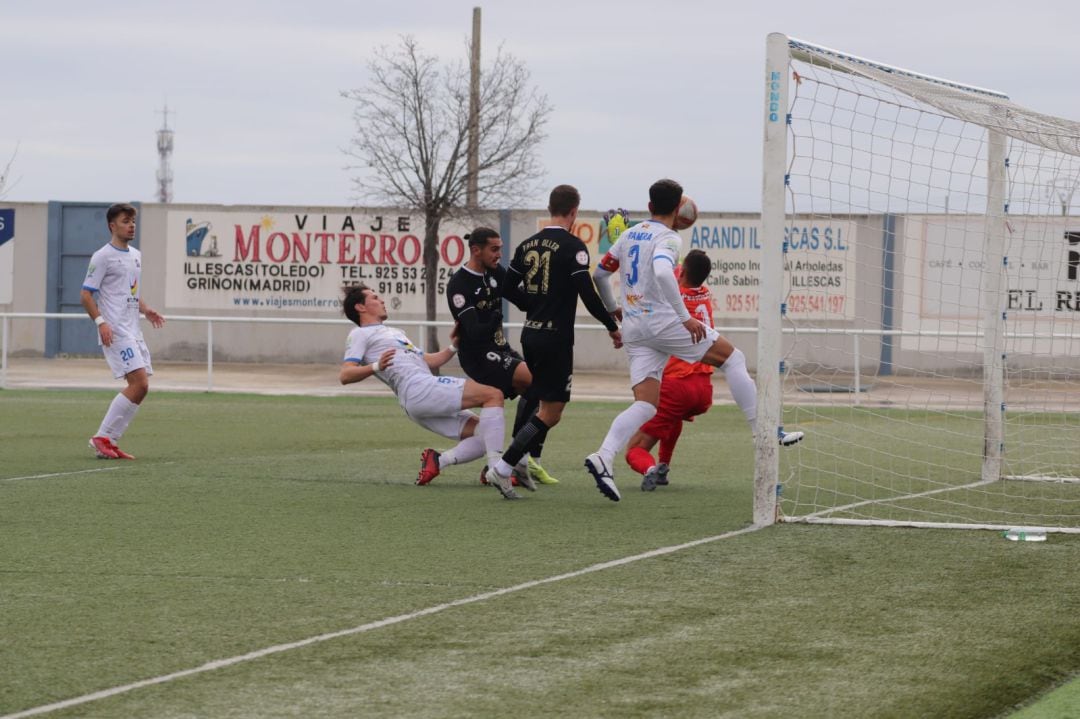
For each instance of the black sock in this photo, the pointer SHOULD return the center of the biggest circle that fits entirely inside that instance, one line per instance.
(524, 439)
(537, 447)
(526, 410)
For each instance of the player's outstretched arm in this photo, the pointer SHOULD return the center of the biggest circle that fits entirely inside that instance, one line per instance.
(435, 360)
(355, 372)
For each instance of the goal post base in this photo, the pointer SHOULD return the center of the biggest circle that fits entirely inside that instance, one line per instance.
(922, 525)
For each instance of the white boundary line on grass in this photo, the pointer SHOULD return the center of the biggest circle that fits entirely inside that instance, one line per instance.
(57, 474)
(278, 648)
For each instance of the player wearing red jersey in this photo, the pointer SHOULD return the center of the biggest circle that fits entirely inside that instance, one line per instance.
(686, 390)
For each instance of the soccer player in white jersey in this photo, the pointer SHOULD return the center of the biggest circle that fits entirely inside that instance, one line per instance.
(657, 325)
(111, 295)
(439, 404)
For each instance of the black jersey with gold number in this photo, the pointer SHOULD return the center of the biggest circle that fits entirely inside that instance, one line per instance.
(476, 303)
(552, 267)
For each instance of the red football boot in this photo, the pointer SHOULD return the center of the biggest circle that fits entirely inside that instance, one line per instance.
(429, 466)
(103, 447)
(120, 454)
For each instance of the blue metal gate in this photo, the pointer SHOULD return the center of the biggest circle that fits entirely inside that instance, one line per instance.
(76, 231)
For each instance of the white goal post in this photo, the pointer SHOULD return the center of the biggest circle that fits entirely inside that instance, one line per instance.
(931, 219)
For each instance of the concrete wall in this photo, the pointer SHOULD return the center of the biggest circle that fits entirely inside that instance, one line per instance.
(29, 278)
(185, 340)
(322, 342)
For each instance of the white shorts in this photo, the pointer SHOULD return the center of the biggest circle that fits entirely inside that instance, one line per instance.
(647, 357)
(127, 354)
(434, 403)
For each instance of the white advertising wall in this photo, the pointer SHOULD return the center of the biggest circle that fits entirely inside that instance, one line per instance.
(943, 265)
(291, 262)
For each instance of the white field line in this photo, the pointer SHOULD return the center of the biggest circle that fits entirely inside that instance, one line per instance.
(279, 648)
(57, 474)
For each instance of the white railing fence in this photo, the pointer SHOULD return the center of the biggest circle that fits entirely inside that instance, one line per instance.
(210, 321)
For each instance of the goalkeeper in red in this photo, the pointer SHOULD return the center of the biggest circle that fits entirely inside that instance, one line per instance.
(686, 389)
(657, 326)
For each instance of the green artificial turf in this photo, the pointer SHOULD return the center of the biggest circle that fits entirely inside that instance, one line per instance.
(248, 522)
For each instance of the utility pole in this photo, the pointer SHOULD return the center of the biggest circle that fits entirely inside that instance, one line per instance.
(165, 148)
(472, 191)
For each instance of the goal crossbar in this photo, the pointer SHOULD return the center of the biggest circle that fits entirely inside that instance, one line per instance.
(956, 269)
(990, 108)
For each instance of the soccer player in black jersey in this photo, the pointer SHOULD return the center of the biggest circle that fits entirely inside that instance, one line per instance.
(552, 268)
(474, 294)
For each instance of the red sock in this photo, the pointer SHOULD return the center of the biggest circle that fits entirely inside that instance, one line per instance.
(639, 460)
(667, 444)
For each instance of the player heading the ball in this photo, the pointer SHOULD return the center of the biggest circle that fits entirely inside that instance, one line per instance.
(657, 325)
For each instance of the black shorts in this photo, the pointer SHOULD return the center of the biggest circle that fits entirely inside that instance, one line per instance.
(494, 368)
(551, 361)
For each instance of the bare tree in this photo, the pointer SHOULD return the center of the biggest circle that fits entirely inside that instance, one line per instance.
(412, 128)
(6, 182)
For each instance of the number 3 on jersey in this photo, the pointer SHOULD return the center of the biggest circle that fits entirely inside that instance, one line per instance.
(632, 275)
(537, 262)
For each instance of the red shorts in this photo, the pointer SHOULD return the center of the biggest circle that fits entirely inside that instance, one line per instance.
(681, 398)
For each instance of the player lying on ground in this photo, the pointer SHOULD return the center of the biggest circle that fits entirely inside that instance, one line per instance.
(439, 404)
(474, 294)
(686, 389)
(657, 325)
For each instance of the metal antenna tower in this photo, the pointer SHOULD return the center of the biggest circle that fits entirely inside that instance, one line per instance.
(165, 148)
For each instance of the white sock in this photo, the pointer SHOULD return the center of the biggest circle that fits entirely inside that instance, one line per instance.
(121, 411)
(742, 387)
(623, 428)
(492, 432)
(466, 450)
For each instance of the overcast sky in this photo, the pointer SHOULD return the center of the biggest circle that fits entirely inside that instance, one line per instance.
(640, 90)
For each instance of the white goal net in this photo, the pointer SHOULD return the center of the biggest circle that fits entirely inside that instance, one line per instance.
(921, 322)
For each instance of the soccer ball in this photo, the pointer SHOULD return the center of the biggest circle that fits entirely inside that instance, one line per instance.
(686, 215)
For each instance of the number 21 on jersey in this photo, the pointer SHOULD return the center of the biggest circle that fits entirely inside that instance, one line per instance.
(537, 263)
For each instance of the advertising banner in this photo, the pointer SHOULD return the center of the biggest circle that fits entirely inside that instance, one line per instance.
(274, 261)
(945, 261)
(819, 267)
(1042, 266)
(819, 277)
